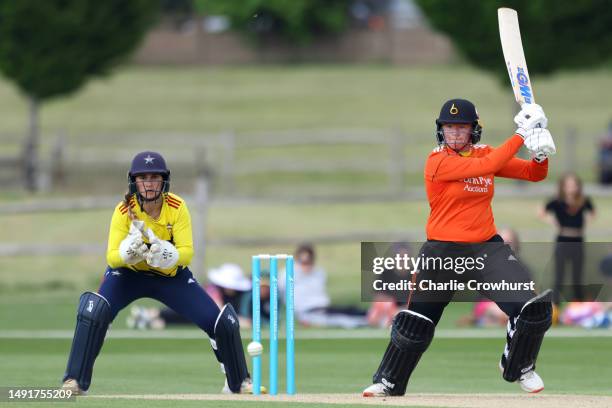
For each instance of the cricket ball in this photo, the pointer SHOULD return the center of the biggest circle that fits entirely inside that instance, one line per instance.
(254, 348)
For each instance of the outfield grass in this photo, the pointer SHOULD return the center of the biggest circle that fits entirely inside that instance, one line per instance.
(181, 366)
(203, 102)
(303, 96)
(102, 403)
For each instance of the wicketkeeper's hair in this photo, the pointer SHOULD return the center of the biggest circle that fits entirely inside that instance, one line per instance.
(126, 200)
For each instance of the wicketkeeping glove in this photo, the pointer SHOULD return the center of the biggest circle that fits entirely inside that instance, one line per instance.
(530, 117)
(162, 254)
(132, 249)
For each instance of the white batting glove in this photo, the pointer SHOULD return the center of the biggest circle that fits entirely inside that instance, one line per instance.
(162, 254)
(530, 117)
(540, 143)
(132, 249)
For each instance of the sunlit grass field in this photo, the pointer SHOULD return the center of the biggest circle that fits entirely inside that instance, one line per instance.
(261, 98)
(142, 108)
(187, 366)
(173, 109)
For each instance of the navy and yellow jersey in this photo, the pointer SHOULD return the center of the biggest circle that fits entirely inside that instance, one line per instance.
(173, 224)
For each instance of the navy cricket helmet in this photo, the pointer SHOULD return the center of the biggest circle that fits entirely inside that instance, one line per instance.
(459, 111)
(152, 163)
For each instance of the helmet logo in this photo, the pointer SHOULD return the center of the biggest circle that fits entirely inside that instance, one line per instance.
(149, 159)
(454, 110)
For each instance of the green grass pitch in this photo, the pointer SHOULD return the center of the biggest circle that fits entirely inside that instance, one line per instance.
(337, 365)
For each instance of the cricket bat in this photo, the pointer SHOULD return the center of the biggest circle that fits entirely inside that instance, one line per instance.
(512, 46)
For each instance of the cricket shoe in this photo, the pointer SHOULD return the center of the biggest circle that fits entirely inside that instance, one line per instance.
(530, 382)
(245, 388)
(377, 390)
(73, 385)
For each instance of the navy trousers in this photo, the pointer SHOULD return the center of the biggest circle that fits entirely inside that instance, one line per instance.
(182, 293)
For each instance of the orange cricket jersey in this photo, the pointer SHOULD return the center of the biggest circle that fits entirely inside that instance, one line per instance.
(460, 188)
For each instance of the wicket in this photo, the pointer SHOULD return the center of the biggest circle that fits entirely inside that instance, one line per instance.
(289, 324)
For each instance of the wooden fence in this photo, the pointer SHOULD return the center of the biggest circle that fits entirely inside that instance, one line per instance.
(265, 164)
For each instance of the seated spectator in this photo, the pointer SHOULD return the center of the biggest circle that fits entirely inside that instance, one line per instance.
(246, 308)
(386, 305)
(227, 285)
(587, 314)
(485, 313)
(312, 304)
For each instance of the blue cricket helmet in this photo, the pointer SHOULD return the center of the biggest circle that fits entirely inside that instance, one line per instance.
(148, 162)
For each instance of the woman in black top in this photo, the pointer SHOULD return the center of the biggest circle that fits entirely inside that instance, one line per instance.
(569, 212)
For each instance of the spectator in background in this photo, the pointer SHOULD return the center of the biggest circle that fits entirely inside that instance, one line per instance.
(312, 304)
(227, 285)
(386, 305)
(589, 315)
(605, 157)
(246, 309)
(569, 213)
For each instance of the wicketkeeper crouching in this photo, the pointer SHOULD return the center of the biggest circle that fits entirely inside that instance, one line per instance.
(150, 246)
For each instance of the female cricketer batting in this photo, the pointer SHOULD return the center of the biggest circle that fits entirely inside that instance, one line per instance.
(459, 179)
(149, 249)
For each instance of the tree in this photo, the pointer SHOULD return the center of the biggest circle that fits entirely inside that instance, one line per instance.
(51, 48)
(297, 21)
(556, 34)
